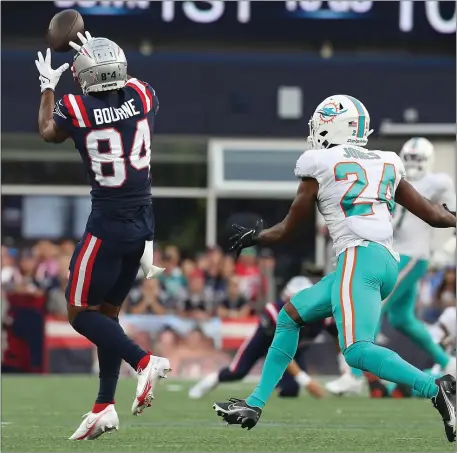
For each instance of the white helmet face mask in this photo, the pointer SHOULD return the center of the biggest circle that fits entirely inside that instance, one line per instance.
(100, 65)
(418, 155)
(339, 120)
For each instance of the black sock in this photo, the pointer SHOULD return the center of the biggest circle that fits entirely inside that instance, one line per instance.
(106, 333)
(109, 362)
(226, 375)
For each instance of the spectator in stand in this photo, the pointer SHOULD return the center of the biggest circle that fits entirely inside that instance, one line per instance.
(214, 280)
(248, 270)
(47, 272)
(267, 265)
(28, 284)
(234, 304)
(148, 299)
(10, 273)
(57, 303)
(172, 278)
(202, 262)
(199, 303)
(228, 267)
(445, 296)
(67, 247)
(188, 266)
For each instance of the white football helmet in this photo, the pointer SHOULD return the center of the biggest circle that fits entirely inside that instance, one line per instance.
(100, 65)
(339, 120)
(294, 286)
(418, 156)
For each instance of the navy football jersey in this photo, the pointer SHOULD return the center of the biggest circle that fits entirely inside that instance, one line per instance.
(112, 132)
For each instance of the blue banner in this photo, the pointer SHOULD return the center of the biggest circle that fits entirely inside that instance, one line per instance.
(295, 23)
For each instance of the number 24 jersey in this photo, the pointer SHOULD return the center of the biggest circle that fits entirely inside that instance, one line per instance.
(356, 192)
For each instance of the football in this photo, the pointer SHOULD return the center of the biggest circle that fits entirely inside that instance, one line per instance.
(64, 28)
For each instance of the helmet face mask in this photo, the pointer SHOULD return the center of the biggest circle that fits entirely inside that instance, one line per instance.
(339, 120)
(100, 66)
(417, 155)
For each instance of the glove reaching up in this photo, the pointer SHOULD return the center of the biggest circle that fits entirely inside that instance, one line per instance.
(83, 40)
(244, 237)
(49, 77)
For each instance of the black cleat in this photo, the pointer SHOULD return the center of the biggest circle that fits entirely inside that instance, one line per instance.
(237, 412)
(444, 402)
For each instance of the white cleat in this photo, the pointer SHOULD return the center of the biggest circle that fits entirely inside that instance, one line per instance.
(157, 368)
(347, 384)
(95, 424)
(451, 366)
(204, 386)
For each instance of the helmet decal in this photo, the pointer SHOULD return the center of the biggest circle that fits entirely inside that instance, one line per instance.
(329, 112)
(361, 112)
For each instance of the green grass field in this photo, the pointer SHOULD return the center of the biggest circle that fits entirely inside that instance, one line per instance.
(40, 413)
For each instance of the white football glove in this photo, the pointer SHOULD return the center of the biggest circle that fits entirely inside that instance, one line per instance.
(49, 77)
(83, 40)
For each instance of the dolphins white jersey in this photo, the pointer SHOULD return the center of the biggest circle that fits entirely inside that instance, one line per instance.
(412, 236)
(356, 193)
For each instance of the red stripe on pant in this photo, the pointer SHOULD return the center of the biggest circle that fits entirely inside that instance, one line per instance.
(75, 274)
(88, 272)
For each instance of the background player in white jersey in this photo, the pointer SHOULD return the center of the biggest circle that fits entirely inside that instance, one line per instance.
(413, 240)
(443, 333)
(354, 190)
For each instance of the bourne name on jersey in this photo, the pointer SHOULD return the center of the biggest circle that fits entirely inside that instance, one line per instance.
(111, 114)
(356, 192)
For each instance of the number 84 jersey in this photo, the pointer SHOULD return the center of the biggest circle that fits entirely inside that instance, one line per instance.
(356, 192)
(112, 132)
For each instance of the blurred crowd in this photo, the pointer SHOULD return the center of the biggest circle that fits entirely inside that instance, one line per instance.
(195, 290)
(209, 284)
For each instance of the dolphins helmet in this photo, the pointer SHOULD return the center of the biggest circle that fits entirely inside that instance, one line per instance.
(339, 120)
(418, 155)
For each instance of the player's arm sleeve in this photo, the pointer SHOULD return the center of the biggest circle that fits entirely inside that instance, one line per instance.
(306, 166)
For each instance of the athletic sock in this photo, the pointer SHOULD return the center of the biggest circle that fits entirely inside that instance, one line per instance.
(98, 407)
(143, 363)
(386, 364)
(106, 333)
(109, 362)
(280, 354)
